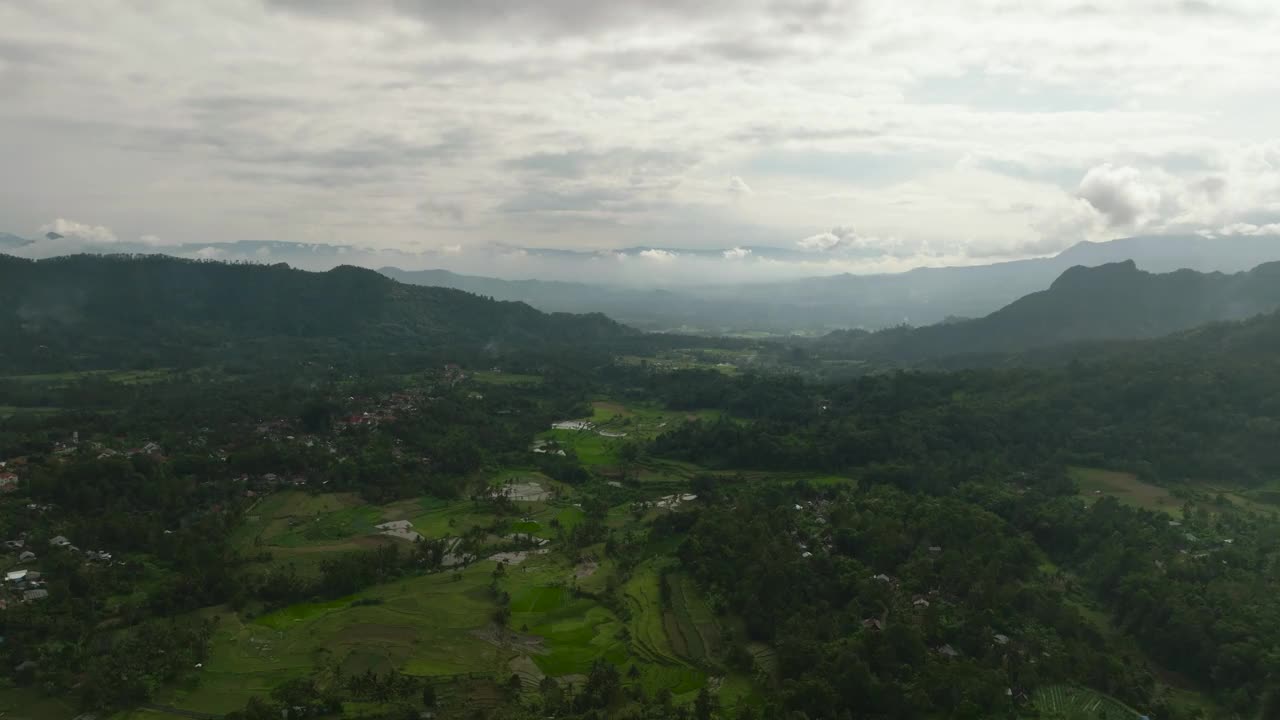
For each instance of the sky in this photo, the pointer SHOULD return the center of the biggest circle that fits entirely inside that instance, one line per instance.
(858, 135)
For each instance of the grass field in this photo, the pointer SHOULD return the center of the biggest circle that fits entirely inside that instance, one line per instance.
(1126, 488)
(423, 626)
(304, 529)
(21, 704)
(126, 377)
(1069, 703)
(620, 423)
(7, 411)
(499, 378)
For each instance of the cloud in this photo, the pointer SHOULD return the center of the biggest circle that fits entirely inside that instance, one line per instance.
(210, 253)
(451, 250)
(839, 238)
(736, 253)
(94, 234)
(636, 165)
(1121, 194)
(1249, 229)
(153, 240)
(608, 124)
(657, 255)
(437, 209)
(584, 18)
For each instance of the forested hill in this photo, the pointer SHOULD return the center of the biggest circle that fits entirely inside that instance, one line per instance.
(114, 311)
(1111, 302)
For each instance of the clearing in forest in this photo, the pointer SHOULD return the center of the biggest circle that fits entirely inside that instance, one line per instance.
(1127, 488)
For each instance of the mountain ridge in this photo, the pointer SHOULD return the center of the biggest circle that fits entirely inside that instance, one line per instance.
(1117, 301)
(100, 309)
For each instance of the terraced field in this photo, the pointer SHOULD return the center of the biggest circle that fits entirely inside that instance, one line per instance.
(649, 638)
(691, 625)
(1072, 703)
(766, 659)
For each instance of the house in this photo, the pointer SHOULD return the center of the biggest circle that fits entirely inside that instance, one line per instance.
(14, 544)
(16, 575)
(27, 557)
(34, 595)
(1001, 639)
(920, 603)
(60, 541)
(8, 482)
(873, 624)
(948, 651)
(883, 578)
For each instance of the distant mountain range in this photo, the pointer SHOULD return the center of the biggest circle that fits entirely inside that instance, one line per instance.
(90, 311)
(1111, 302)
(919, 297)
(813, 305)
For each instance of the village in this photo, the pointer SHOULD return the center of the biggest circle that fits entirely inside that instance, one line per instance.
(24, 555)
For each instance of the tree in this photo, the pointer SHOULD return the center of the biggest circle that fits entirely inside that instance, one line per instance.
(705, 705)
(428, 695)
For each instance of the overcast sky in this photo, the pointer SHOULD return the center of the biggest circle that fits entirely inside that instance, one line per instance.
(872, 135)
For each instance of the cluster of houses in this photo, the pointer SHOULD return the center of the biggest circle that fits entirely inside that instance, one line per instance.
(25, 584)
(9, 475)
(22, 586)
(385, 409)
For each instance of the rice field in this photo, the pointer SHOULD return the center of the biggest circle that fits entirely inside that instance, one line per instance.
(691, 626)
(1073, 703)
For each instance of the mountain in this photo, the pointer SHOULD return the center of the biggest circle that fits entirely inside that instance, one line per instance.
(1111, 302)
(656, 309)
(11, 242)
(1167, 253)
(811, 305)
(919, 297)
(109, 311)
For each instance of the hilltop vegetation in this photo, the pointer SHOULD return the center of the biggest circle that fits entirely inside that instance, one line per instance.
(1111, 302)
(88, 312)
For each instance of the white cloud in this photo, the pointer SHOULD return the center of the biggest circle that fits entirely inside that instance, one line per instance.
(1236, 229)
(1121, 194)
(838, 238)
(739, 187)
(737, 253)
(210, 253)
(454, 249)
(152, 240)
(657, 255)
(96, 234)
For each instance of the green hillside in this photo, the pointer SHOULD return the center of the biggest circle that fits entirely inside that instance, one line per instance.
(84, 311)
